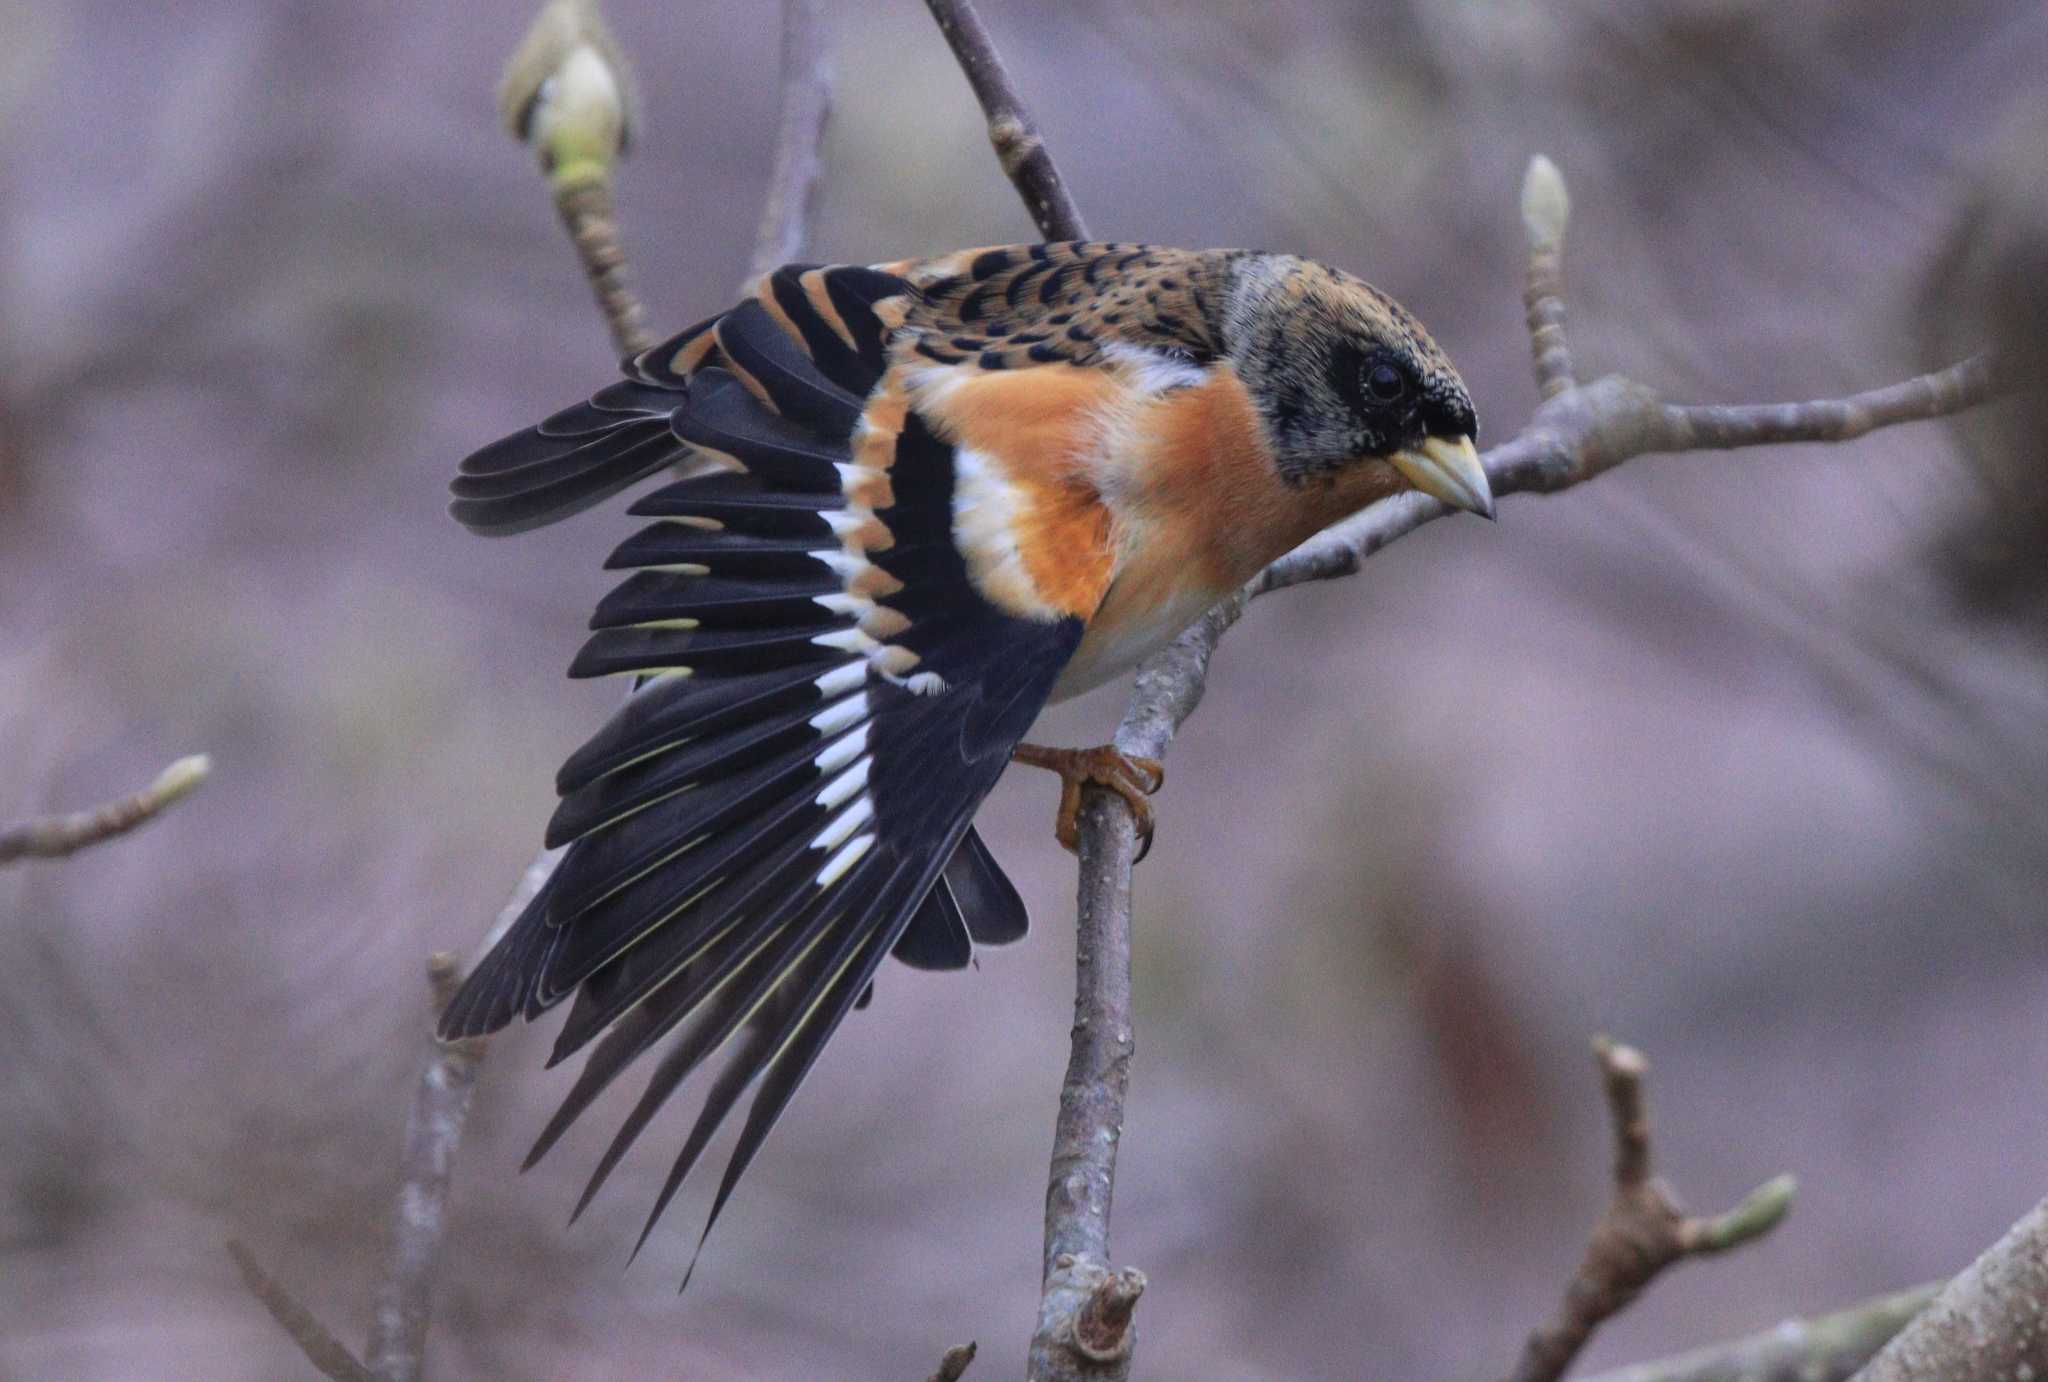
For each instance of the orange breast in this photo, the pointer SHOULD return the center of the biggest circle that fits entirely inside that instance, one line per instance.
(1029, 518)
(1200, 507)
(1077, 493)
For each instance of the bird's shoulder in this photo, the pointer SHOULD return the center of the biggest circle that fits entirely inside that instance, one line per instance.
(1080, 303)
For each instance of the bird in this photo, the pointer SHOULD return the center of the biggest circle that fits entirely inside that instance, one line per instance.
(908, 505)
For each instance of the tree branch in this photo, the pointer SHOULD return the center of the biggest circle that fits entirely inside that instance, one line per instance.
(1643, 1231)
(799, 139)
(1084, 1318)
(1986, 1323)
(328, 1355)
(433, 1132)
(1828, 1348)
(590, 216)
(1020, 148)
(53, 837)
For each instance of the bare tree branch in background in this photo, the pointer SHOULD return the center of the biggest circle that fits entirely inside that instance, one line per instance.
(1643, 1231)
(1828, 1348)
(433, 1132)
(1020, 149)
(53, 837)
(1985, 1323)
(799, 139)
(328, 1355)
(1988, 1322)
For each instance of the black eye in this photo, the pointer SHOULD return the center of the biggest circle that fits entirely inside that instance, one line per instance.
(1385, 383)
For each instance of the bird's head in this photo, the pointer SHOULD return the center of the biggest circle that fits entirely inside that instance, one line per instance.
(1344, 376)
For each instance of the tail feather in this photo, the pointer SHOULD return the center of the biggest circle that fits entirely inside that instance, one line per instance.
(937, 937)
(988, 899)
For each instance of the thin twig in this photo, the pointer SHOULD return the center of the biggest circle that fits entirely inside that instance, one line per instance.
(52, 837)
(1991, 1321)
(328, 1355)
(799, 138)
(1019, 146)
(590, 216)
(1827, 1348)
(1643, 1231)
(433, 1132)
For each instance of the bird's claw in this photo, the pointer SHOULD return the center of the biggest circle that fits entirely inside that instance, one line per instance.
(1104, 766)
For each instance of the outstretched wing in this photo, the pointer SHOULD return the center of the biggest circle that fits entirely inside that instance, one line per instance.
(826, 698)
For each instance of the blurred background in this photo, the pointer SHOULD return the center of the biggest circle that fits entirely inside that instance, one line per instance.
(1741, 757)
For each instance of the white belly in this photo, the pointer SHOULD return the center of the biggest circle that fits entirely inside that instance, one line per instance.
(1114, 646)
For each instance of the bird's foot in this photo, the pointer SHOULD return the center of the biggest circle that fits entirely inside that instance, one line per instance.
(1133, 779)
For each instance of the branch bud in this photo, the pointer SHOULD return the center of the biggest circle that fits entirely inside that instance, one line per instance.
(1545, 205)
(565, 94)
(178, 780)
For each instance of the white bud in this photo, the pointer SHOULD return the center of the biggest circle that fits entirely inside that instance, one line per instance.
(180, 778)
(1545, 205)
(564, 94)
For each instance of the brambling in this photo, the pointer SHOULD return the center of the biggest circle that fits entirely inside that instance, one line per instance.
(916, 502)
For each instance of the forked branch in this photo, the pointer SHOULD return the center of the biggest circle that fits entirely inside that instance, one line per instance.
(1644, 1229)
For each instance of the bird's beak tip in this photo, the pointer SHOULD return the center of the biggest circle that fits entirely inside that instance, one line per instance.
(1448, 469)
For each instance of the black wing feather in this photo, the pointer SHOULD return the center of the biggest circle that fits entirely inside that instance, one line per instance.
(665, 712)
(579, 456)
(776, 810)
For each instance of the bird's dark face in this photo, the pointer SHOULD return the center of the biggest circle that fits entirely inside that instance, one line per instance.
(1344, 376)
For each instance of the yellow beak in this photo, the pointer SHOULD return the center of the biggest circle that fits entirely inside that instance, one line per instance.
(1450, 471)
